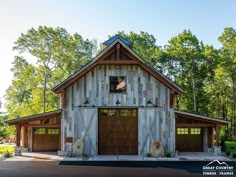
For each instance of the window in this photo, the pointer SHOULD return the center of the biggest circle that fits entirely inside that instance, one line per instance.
(182, 131)
(118, 112)
(39, 131)
(195, 131)
(108, 112)
(118, 84)
(128, 112)
(53, 131)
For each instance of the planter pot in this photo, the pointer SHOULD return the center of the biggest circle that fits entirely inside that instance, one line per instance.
(18, 151)
(217, 150)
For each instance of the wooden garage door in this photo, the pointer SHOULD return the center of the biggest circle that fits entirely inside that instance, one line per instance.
(118, 131)
(46, 139)
(189, 139)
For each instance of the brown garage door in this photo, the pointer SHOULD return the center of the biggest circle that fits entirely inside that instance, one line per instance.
(46, 139)
(189, 139)
(118, 131)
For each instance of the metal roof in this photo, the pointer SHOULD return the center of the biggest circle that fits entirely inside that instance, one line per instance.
(117, 36)
(202, 117)
(32, 117)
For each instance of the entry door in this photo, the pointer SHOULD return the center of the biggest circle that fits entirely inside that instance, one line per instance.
(118, 131)
(46, 139)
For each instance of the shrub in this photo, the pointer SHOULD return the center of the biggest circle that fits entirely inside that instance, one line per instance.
(148, 154)
(222, 143)
(230, 145)
(85, 155)
(234, 154)
(227, 153)
(7, 154)
(4, 149)
(167, 154)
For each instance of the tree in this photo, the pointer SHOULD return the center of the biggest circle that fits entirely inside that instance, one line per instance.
(228, 63)
(145, 46)
(58, 55)
(186, 55)
(219, 92)
(20, 96)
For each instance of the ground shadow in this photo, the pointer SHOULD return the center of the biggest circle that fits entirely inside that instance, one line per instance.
(190, 166)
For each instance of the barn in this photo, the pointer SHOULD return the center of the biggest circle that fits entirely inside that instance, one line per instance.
(118, 104)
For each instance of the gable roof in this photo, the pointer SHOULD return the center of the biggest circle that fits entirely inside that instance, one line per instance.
(34, 117)
(106, 52)
(200, 117)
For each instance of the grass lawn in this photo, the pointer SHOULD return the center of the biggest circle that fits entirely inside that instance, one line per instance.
(4, 149)
(230, 145)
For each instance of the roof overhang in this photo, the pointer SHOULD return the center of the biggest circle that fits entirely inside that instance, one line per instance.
(200, 117)
(34, 117)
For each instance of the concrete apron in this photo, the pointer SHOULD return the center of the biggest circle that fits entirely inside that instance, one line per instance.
(52, 156)
(201, 156)
(36, 156)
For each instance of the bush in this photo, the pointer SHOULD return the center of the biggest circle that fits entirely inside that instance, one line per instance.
(227, 153)
(167, 154)
(222, 144)
(234, 154)
(230, 145)
(85, 155)
(148, 154)
(3, 132)
(7, 154)
(4, 149)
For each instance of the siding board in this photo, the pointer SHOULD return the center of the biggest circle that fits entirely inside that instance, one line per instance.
(154, 123)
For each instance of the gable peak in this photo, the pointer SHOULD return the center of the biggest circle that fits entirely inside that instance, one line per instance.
(117, 36)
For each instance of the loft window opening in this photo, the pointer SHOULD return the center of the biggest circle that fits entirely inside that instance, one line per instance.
(118, 84)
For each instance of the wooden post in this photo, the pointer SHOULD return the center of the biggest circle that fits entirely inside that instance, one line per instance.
(118, 52)
(210, 137)
(63, 98)
(18, 130)
(26, 137)
(217, 135)
(172, 98)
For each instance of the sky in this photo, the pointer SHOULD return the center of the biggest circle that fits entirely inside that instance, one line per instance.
(97, 19)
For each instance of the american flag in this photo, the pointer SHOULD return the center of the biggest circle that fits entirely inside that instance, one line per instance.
(120, 85)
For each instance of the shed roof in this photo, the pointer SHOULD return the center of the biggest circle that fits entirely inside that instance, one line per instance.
(33, 117)
(200, 117)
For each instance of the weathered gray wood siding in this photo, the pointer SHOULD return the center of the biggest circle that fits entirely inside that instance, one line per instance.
(141, 87)
(94, 86)
(156, 124)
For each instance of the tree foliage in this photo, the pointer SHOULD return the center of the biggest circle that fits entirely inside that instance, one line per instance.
(145, 46)
(58, 54)
(228, 67)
